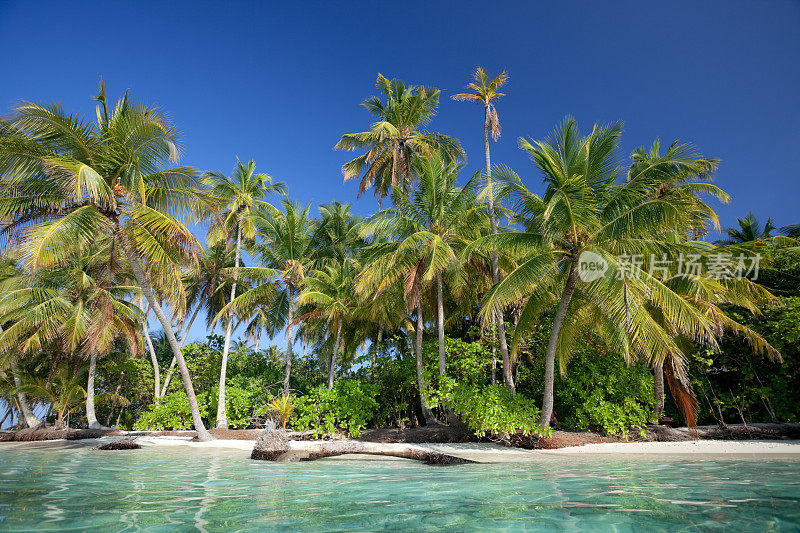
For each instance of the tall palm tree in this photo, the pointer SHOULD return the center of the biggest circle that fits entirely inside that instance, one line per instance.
(396, 137)
(66, 181)
(330, 293)
(587, 214)
(337, 235)
(235, 202)
(205, 283)
(425, 236)
(286, 250)
(485, 91)
(689, 183)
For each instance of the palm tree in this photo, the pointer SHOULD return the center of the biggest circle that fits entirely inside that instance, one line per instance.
(792, 231)
(63, 391)
(205, 283)
(396, 137)
(337, 236)
(236, 200)
(687, 183)
(66, 181)
(330, 293)
(9, 277)
(586, 214)
(286, 251)
(425, 235)
(749, 231)
(485, 91)
(83, 307)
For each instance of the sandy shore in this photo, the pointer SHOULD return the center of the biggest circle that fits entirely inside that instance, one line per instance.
(492, 453)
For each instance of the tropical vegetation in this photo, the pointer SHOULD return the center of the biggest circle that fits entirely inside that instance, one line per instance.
(570, 294)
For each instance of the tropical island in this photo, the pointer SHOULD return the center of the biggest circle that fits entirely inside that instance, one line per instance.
(467, 302)
(310, 268)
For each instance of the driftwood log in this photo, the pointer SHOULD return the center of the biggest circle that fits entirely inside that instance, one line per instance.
(275, 446)
(120, 444)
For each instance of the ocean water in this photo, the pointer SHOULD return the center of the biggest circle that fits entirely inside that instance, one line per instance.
(74, 487)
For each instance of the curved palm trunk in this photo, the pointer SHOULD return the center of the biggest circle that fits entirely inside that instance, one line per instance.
(184, 336)
(290, 339)
(501, 329)
(153, 358)
(147, 290)
(332, 365)
(427, 414)
(550, 355)
(31, 420)
(91, 417)
(658, 383)
(440, 323)
(222, 415)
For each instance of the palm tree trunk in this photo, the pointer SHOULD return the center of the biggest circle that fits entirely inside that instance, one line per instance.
(501, 329)
(550, 355)
(440, 323)
(31, 420)
(133, 258)
(116, 394)
(290, 339)
(153, 358)
(184, 336)
(658, 383)
(222, 415)
(427, 414)
(376, 346)
(91, 417)
(332, 365)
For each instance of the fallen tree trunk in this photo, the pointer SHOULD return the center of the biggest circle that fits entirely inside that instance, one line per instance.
(293, 451)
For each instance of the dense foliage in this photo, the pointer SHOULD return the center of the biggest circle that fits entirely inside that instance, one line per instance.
(461, 298)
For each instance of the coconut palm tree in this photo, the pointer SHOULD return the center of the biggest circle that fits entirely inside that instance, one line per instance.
(286, 250)
(63, 391)
(9, 277)
(330, 293)
(792, 231)
(337, 236)
(396, 137)
(81, 307)
(235, 202)
(205, 283)
(485, 91)
(424, 235)
(587, 216)
(690, 183)
(66, 181)
(749, 231)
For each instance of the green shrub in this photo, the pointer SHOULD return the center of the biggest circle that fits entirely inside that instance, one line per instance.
(172, 413)
(494, 411)
(601, 392)
(241, 402)
(349, 406)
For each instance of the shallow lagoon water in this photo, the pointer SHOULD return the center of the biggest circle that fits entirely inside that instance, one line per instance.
(46, 487)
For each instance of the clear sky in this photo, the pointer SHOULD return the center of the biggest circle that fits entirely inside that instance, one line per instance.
(281, 83)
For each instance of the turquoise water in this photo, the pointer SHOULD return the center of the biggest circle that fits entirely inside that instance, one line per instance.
(42, 488)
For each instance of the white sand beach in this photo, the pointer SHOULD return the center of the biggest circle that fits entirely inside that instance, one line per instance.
(491, 453)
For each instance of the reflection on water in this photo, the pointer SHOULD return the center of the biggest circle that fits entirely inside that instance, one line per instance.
(161, 489)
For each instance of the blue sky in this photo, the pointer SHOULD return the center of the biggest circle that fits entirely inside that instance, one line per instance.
(281, 83)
